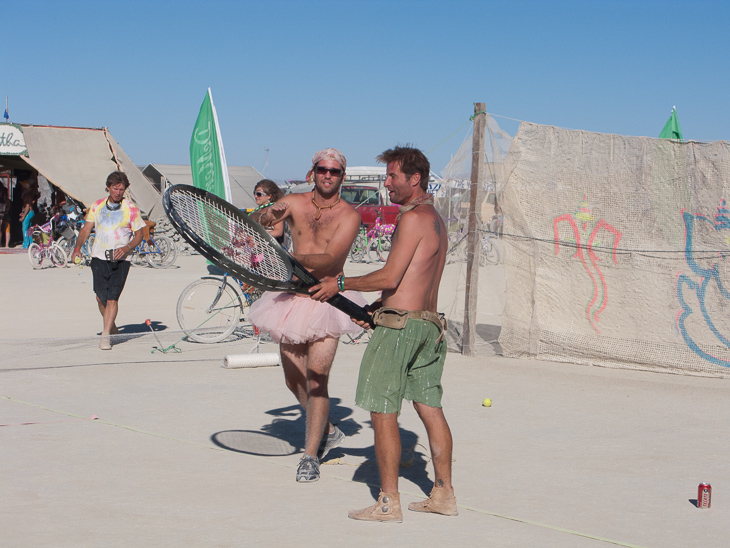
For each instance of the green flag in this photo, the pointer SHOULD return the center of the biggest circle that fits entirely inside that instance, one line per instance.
(207, 159)
(671, 128)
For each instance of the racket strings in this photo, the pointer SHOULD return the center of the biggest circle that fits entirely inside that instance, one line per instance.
(234, 240)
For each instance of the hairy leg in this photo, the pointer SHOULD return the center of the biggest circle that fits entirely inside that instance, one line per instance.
(294, 363)
(387, 449)
(439, 440)
(320, 355)
(109, 315)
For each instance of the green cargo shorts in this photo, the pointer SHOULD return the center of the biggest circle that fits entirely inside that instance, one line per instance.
(401, 363)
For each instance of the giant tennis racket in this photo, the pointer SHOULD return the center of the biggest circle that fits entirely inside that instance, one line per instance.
(236, 243)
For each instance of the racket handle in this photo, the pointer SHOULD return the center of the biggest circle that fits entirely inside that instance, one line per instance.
(351, 309)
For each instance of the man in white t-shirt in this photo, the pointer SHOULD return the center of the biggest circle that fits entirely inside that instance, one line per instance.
(118, 225)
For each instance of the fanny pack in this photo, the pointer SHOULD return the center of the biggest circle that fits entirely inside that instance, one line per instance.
(396, 318)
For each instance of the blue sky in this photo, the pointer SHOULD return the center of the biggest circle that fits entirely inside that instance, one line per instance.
(297, 76)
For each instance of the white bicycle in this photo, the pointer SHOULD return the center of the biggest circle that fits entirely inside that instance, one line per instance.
(209, 310)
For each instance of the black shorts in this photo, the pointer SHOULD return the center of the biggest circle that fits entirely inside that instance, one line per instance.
(109, 278)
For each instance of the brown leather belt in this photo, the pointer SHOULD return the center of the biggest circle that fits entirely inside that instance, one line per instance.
(396, 318)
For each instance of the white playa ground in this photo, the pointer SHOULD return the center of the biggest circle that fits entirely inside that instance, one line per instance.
(183, 452)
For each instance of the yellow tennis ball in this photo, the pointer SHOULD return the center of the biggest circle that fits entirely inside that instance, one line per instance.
(487, 402)
(77, 260)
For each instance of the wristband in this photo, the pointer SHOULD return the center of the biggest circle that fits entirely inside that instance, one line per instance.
(341, 282)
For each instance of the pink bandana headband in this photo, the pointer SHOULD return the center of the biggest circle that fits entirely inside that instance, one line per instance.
(326, 154)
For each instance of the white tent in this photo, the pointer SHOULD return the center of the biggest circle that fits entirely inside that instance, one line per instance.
(243, 180)
(78, 161)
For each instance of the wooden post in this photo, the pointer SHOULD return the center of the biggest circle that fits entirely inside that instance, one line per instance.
(468, 336)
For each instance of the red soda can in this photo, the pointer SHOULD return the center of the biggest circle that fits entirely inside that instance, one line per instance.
(704, 494)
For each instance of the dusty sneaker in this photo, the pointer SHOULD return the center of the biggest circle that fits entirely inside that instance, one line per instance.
(386, 509)
(308, 469)
(330, 441)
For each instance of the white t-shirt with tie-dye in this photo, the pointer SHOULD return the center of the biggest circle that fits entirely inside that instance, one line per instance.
(113, 229)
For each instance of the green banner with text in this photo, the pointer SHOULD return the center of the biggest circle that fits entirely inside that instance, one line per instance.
(207, 159)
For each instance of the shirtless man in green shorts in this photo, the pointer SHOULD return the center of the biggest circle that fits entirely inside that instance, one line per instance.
(406, 353)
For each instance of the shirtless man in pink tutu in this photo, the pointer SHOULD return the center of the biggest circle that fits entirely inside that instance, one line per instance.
(405, 356)
(323, 228)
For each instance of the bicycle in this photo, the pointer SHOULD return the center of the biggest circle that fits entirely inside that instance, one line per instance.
(374, 242)
(496, 224)
(68, 240)
(456, 250)
(488, 251)
(157, 252)
(164, 228)
(210, 309)
(44, 246)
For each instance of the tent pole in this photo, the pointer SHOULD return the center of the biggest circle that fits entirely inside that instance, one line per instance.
(473, 241)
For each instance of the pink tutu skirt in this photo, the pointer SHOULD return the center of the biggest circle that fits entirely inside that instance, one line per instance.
(294, 319)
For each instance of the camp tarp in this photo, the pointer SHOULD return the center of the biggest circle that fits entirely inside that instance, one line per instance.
(243, 180)
(78, 161)
(616, 251)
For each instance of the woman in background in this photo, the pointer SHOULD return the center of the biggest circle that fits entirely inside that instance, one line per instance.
(30, 195)
(266, 193)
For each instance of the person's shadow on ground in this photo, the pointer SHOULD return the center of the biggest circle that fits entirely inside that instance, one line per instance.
(412, 464)
(289, 423)
(141, 328)
(132, 331)
(284, 435)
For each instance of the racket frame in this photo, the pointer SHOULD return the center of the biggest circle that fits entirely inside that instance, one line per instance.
(293, 267)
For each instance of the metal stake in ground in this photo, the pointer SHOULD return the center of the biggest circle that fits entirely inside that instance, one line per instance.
(160, 348)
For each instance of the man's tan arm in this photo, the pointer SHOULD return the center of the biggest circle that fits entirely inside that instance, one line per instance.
(274, 214)
(81, 239)
(403, 248)
(134, 242)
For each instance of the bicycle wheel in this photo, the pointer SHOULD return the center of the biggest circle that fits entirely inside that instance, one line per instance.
(87, 247)
(359, 247)
(378, 248)
(35, 254)
(154, 254)
(208, 310)
(160, 252)
(67, 245)
(371, 250)
(58, 255)
(168, 256)
(488, 253)
(138, 256)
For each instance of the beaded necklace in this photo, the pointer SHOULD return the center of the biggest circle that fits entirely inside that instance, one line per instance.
(320, 208)
(267, 204)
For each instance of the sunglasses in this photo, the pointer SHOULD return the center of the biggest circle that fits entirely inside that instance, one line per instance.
(259, 194)
(321, 170)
